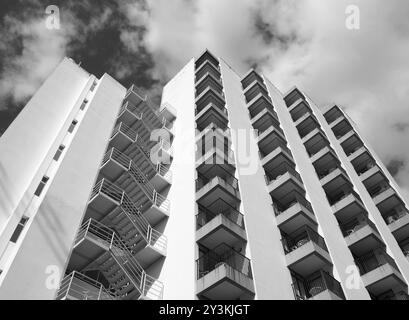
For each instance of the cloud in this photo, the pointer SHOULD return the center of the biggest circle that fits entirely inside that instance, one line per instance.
(28, 64)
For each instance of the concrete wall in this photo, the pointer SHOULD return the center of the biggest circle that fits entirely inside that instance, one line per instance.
(31, 137)
(271, 276)
(50, 235)
(178, 273)
(329, 229)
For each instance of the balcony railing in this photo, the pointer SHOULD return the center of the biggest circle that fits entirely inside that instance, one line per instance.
(318, 283)
(223, 255)
(80, 287)
(301, 237)
(373, 260)
(356, 224)
(299, 200)
(395, 214)
(224, 178)
(123, 128)
(334, 200)
(376, 191)
(220, 208)
(283, 170)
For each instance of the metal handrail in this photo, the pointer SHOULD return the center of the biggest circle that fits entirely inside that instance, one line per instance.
(223, 255)
(300, 237)
(81, 287)
(123, 128)
(205, 215)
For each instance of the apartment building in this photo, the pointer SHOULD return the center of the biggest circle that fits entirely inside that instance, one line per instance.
(229, 189)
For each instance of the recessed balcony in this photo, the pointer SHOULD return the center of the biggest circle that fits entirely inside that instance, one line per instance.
(333, 114)
(135, 95)
(347, 205)
(254, 90)
(379, 272)
(220, 223)
(168, 112)
(77, 286)
(385, 197)
(209, 95)
(213, 159)
(322, 157)
(206, 56)
(207, 67)
(333, 179)
(224, 274)
(251, 77)
(258, 104)
(306, 251)
(264, 120)
(286, 181)
(275, 158)
(350, 142)
(361, 235)
(209, 81)
(211, 114)
(225, 187)
(359, 155)
(315, 141)
(306, 124)
(371, 175)
(398, 221)
(270, 139)
(299, 109)
(295, 215)
(318, 286)
(293, 96)
(340, 127)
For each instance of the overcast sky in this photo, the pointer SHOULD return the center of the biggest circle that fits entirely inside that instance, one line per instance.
(294, 42)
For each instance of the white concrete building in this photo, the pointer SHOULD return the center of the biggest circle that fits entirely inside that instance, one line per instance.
(228, 190)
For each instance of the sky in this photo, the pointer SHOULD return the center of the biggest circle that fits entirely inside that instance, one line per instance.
(293, 42)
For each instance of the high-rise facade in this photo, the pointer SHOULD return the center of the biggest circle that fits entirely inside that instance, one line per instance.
(228, 190)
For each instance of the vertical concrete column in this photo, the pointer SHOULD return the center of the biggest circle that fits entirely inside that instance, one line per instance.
(271, 276)
(178, 272)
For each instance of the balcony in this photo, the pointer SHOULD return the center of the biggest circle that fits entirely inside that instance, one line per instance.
(306, 124)
(315, 141)
(205, 68)
(333, 114)
(379, 272)
(162, 178)
(224, 274)
(258, 104)
(306, 251)
(371, 175)
(211, 114)
(209, 95)
(220, 223)
(293, 96)
(270, 139)
(332, 179)
(213, 159)
(275, 158)
(206, 56)
(98, 247)
(135, 95)
(398, 221)
(341, 127)
(225, 187)
(254, 90)
(350, 142)
(385, 197)
(283, 183)
(323, 157)
(361, 235)
(209, 81)
(295, 215)
(299, 109)
(346, 205)
(359, 156)
(77, 286)
(251, 77)
(318, 286)
(391, 295)
(263, 120)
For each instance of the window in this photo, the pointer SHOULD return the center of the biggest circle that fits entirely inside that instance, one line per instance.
(18, 229)
(58, 153)
(84, 103)
(72, 126)
(94, 84)
(41, 186)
